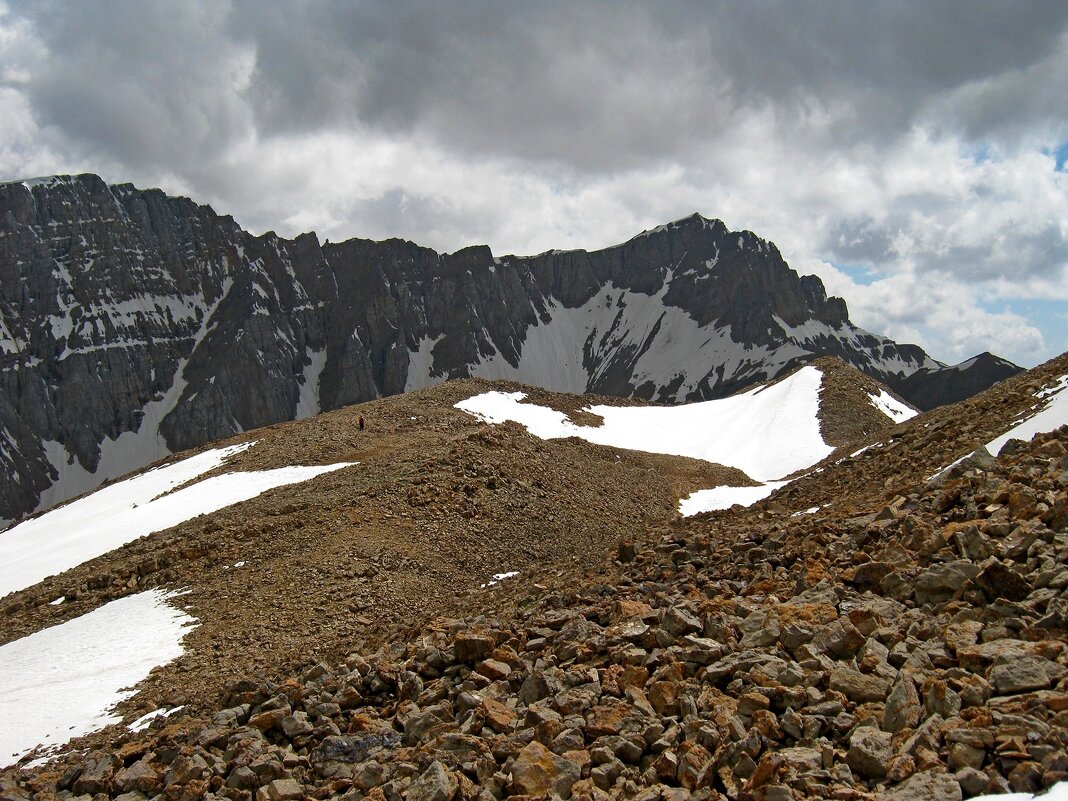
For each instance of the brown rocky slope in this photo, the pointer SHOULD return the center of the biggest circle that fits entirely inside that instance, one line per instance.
(907, 639)
(437, 504)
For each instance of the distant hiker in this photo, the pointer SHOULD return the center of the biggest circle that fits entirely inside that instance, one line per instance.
(361, 422)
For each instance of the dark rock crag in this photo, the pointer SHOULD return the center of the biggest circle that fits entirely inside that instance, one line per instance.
(928, 389)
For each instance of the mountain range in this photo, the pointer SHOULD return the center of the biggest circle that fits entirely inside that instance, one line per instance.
(134, 325)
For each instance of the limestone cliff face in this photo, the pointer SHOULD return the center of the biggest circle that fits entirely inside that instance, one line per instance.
(134, 324)
(103, 294)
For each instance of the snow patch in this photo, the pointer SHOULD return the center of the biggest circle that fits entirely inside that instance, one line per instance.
(91, 526)
(308, 402)
(709, 500)
(72, 479)
(949, 466)
(1058, 792)
(421, 364)
(498, 577)
(45, 180)
(62, 682)
(1052, 415)
(892, 407)
(145, 721)
(1059, 386)
(768, 432)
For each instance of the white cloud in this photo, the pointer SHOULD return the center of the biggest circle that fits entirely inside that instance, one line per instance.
(934, 308)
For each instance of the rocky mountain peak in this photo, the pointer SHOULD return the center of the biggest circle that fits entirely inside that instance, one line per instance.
(929, 388)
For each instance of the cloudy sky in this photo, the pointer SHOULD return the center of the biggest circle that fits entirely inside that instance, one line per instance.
(912, 154)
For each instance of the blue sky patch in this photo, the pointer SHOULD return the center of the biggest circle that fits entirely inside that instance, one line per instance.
(1048, 316)
(859, 273)
(981, 154)
(1060, 154)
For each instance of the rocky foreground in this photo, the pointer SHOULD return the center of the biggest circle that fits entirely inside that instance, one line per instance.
(905, 650)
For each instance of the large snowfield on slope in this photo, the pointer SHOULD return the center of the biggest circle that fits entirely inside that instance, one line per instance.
(113, 516)
(616, 321)
(768, 433)
(132, 448)
(570, 349)
(61, 682)
(1052, 415)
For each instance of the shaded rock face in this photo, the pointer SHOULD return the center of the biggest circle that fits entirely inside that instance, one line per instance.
(133, 325)
(927, 389)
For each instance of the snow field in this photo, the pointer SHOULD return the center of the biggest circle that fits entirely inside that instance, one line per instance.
(308, 401)
(113, 516)
(61, 682)
(618, 320)
(768, 433)
(1052, 415)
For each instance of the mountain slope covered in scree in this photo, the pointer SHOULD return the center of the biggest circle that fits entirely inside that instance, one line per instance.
(134, 325)
(522, 509)
(470, 607)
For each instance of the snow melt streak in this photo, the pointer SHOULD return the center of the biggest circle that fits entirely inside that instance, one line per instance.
(113, 516)
(59, 683)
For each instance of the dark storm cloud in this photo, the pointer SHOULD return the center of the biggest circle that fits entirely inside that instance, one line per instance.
(600, 84)
(140, 83)
(594, 86)
(583, 85)
(858, 239)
